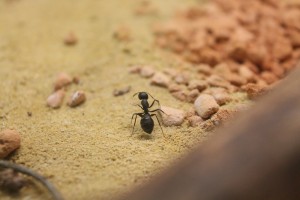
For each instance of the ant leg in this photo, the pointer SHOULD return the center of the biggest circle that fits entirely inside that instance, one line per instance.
(135, 94)
(154, 102)
(139, 106)
(159, 124)
(158, 110)
(135, 114)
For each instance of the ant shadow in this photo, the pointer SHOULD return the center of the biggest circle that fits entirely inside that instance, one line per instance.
(145, 137)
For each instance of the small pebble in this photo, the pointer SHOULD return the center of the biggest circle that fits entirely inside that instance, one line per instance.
(9, 141)
(173, 87)
(123, 33)
(255, 91)
(180, 95)
(172, 116)
(76, 80)
(147, 71)
(236, 80)
(191, 112)
(29, 114)
(223, 116)
(204, 69)
(195, 121)
(222, 98)
(70, 39)
(122, 91)
(197, 84)
(55, 100)
(134, 70)
(170, 72)
(245, 72)
(62, 80)
(182, 78)
(76, 99)
(217, 81)
(206, 106)
(160, 79)
(192, 95)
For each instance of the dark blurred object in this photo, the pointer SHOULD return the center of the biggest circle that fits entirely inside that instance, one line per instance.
(11, 181)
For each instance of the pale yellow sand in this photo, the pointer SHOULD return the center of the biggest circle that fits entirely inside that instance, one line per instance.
(86, 152)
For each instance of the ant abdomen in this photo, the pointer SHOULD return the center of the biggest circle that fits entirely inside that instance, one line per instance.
(147, 123)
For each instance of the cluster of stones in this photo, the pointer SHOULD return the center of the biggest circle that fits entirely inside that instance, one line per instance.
(255, 41)
(233, 46)
(61, 84)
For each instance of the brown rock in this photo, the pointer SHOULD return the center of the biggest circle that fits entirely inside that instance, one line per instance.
(236, 80)
(122, 33)
(62, 80)
(282, 48)
(160, 79)
(147, 71)
(246, 73)
(180, 95)
(222, 98)
(213, 90)
(200, 85)
(170, 72)
(254, 90)
(70, 39)
(182, 78)
(291, 18)
(217, 81)
(222, 116)
(237, 52)
(191, 112)
(120, 92)
(192, 95)
(289, 64)
(268, 77)
(278, 70)
(206, 106)
(76, 99)
(172, 116)
(256, 53)
(209, 56)
(76, 80)
(207, 125)
(173, 87)
(55, 100)
(195, 121)
(134, 70)
(222, 69)
(204, 69)
(9, 141)
(294, 36)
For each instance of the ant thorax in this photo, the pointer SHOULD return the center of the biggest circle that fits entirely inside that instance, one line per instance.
(145, 104)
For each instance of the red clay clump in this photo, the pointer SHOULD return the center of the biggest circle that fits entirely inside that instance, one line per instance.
(257, 41)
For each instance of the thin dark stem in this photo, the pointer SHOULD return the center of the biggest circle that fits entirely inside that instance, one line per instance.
(56, 195)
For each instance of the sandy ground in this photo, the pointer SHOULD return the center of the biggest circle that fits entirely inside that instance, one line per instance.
(86, 152)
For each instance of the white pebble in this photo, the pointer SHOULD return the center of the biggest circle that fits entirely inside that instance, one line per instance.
(56, 99)
(172, 116)
(206, 106)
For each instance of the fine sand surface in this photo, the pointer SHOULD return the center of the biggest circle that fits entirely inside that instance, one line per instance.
(85, 151)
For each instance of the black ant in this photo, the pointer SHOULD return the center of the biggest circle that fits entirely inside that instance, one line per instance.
(147, 122)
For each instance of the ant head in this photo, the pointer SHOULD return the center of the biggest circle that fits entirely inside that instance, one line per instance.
(143, 95)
